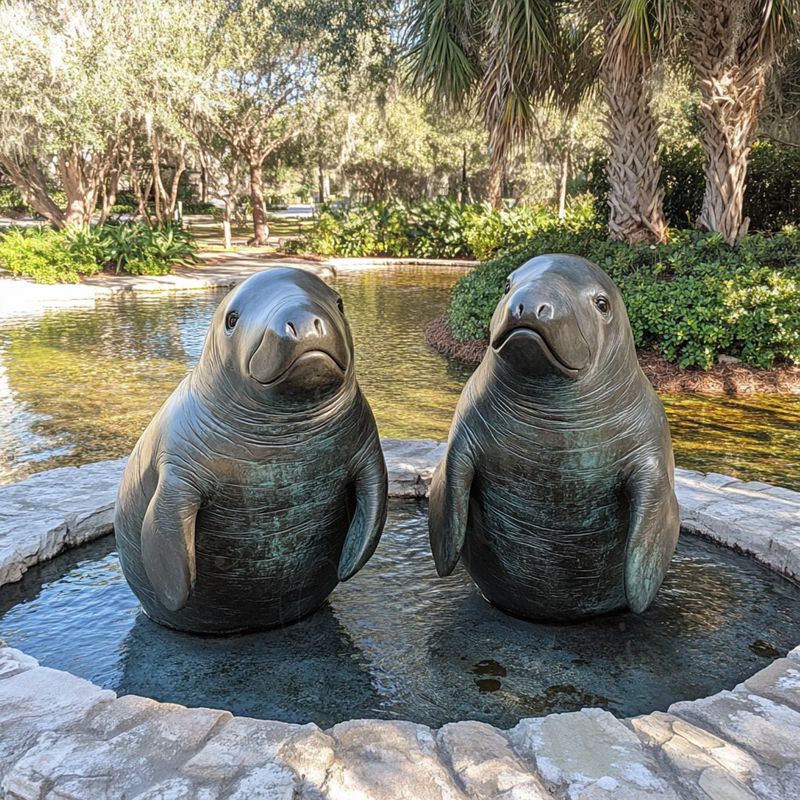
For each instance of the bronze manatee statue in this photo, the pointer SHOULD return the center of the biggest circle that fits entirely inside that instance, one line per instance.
(557, 487)
(260, 483)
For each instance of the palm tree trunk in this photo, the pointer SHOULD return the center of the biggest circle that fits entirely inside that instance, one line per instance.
(635, 197)
(732, 68)
(494, 186)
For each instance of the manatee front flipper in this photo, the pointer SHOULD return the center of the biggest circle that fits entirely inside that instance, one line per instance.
(371, 491)
(448, 505)
(168, 540)
(654, 527)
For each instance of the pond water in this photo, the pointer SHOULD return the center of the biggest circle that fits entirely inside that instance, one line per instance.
(80, 384)
(397, 642)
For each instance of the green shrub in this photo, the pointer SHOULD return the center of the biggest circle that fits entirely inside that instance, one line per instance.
(691, 299)
(438, 228)
(433, 229)
(51, 256)
(772, 195)
(430, 229)
(45, 255)
(11, 200)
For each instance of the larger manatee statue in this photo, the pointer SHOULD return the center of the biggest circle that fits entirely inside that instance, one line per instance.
(260, 483)
(557, 487)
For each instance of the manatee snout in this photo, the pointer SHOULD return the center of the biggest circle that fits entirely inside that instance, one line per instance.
(539, 317)
(303, 344)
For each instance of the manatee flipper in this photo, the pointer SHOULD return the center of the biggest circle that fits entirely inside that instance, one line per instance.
(168, 540)
(652, 536)
(448, 505)
(371, 491)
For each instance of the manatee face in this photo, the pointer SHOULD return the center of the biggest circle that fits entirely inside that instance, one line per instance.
(560, 315)
(283, 334)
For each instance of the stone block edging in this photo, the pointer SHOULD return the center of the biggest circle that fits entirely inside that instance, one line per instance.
(63, 737)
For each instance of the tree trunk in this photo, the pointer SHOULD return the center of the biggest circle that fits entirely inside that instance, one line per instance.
(563, 179)
(158, 186)
(321, 180)
(494, 186)
(732, 67)
(180, 168)
(635, 198)
(464, 188)
(260, 228)
(27, 176)
(80, 178)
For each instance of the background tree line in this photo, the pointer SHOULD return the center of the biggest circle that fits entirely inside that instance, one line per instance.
(472, 100)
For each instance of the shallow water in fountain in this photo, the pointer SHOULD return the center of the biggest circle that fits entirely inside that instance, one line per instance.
(80, 384)
(396, 642)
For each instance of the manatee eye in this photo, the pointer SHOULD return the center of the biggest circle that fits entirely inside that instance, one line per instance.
(508, 287)
(603, 306)
(231, 320)
(340, 304)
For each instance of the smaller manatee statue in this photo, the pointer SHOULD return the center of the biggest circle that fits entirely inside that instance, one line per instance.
(557, 487)
(260, 483)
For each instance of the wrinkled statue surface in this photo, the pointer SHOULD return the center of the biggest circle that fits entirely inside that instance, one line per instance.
(557, 488)
(260, 483)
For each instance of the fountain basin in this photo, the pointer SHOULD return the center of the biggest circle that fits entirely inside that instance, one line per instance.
(58, 728)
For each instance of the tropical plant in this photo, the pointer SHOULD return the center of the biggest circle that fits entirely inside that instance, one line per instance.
(634, 33)
(732, 47)
(497, 56)
(691, 300)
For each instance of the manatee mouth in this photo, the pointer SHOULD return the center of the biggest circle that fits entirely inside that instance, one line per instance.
(304, 359)
(524, 333)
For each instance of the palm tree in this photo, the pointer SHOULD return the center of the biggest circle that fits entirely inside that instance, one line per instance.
(732, 46)
(507, 54)
(634, 33)
(495, 54)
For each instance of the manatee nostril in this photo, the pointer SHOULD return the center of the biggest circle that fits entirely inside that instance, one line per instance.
(520, 310)
(291, 330)
(545, 311)
(319, 327)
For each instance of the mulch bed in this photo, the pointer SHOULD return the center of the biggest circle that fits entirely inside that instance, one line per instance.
(730, 379)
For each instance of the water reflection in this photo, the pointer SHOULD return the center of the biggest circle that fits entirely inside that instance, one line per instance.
(396, 642)
(79, 385)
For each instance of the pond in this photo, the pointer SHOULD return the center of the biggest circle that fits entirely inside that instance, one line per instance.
(80, 384)
(397, 642)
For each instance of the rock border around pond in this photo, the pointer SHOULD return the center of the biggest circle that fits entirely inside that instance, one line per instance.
(20, 296)
(63, 737)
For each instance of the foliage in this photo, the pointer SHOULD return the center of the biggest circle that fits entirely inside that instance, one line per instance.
(431, 229)
(44, 255)
(691, 299)
(11, 200)
(440, 228)
(50, 256)
(490, 231)
(771, 200)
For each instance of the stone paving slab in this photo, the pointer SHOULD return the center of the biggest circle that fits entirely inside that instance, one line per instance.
(63, 737)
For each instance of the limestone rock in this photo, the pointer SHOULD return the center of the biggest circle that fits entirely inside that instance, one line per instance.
(780, 681)
(767, 730)
(410, 464)
(485, 764)
(378, 760)
(699, 759)
(589, 755)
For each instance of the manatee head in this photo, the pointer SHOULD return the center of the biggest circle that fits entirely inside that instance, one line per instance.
(280, 338)
(560, 315)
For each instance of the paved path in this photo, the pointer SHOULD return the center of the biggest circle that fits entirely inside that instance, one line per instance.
(63, 737)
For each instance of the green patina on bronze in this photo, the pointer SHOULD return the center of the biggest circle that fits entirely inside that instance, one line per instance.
(557, 489)
(260, 483)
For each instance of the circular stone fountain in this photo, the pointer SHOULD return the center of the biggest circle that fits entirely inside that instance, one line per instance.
(397, 643)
